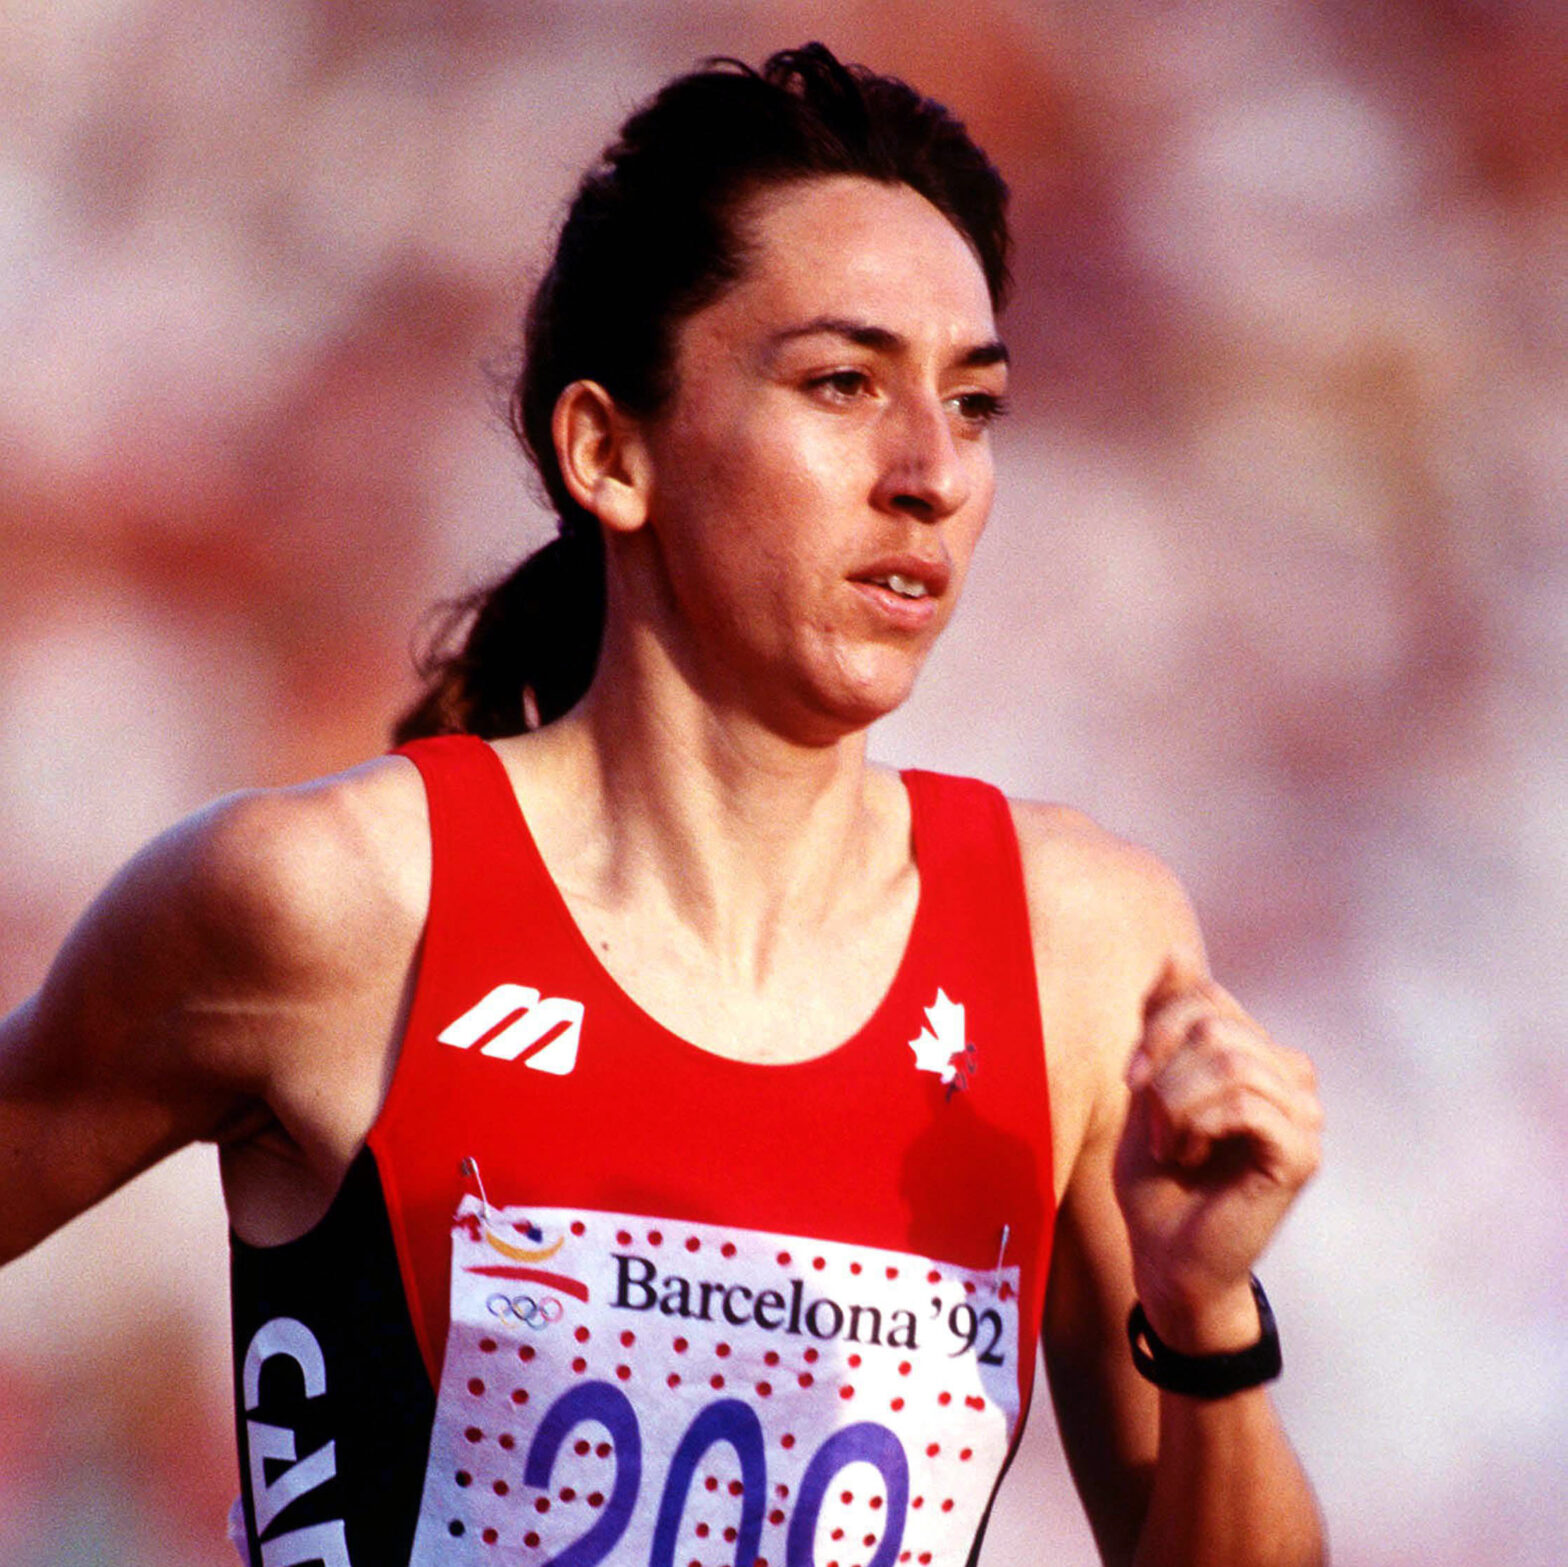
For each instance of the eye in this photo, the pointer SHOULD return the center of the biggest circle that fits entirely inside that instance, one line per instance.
(841, 386)
(979, 409)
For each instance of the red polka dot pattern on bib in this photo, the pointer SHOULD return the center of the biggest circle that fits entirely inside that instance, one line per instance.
(692, 1397)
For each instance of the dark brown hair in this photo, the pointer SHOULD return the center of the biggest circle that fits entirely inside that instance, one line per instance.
(650, 238)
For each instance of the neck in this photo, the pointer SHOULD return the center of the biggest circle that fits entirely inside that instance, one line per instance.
(725, 794)
(653, 795)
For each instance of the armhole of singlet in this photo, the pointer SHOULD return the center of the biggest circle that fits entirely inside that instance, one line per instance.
(1018, 891)
(935, 797)
(989, 836)
(437, 762)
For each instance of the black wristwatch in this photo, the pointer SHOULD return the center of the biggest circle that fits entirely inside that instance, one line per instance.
(1207, 1376)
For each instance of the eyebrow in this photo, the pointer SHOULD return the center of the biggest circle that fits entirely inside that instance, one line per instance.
(883, 340)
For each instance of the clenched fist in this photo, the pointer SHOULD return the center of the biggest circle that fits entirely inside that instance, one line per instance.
(1222, 1132)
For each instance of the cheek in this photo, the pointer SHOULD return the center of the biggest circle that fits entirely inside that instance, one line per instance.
(773, 462)
(966, 531)
(711, 458)
(751, 483)
(717, 517)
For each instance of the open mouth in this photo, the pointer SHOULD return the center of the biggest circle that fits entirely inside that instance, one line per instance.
(904, 586)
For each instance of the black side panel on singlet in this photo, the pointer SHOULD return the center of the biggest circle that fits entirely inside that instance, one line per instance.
(333, 1401)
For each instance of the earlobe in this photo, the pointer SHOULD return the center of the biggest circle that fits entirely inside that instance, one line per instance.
(602, 456)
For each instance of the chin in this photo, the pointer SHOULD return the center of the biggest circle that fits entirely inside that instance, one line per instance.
(846, 706)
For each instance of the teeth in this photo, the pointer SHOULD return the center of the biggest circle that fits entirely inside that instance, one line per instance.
(907, 587)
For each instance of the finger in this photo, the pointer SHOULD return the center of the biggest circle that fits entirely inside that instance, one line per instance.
(1282, 1147)
(1299, 1068)
(1170, 1023)
(1165, 1029)
(1223, 1055)
(1200, 1092)
(1183, 969)
(1183, 973)
(1187, 1017)
(1214, 1052)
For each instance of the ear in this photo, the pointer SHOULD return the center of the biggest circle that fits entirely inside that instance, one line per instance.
(604, 461)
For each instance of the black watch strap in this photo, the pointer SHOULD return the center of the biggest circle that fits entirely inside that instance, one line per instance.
(1207, 1376)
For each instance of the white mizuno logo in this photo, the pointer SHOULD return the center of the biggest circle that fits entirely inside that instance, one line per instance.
(544, 1030)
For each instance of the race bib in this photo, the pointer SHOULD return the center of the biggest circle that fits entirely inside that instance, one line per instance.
(641, 1391)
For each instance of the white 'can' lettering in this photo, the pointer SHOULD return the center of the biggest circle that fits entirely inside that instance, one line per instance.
(321, 1542)
(284, 1336)
(290, 1338)
(305, 1474)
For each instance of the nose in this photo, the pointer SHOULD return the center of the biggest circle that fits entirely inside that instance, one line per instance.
(923, 474)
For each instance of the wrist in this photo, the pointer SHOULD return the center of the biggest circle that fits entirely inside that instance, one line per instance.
(1209, 1374)
(1202, 1322)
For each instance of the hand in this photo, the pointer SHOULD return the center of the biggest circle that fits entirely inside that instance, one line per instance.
(1222, 1132)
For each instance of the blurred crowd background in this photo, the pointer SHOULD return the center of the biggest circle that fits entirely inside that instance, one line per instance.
(1277, 584)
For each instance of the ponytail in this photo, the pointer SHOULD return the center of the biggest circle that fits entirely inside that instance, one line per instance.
(529, 650)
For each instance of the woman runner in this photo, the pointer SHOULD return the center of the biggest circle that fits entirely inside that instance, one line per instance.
(651, 1133)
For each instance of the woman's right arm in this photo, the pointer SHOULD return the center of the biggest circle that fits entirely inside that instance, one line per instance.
(215, 989)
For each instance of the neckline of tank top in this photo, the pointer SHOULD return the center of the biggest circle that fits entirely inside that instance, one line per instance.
(870, 1035)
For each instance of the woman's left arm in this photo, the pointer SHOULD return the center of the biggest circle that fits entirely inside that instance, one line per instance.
(1187, 1157)
(1221, 1133)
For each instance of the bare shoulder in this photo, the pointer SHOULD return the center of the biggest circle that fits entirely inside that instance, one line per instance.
(1105, 916)
(266, 907)
(310, 877)
(241, 978)
(1086, 882)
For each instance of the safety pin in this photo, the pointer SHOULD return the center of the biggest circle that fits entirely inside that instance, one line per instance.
(1001, 1251)
(470, 1168)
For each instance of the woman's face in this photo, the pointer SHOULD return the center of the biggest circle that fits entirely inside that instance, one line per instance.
(822, 473)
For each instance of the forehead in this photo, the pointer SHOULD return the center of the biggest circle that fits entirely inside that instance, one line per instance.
(853, 249)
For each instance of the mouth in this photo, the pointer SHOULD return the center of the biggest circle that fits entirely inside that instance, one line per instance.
(904, 593)
(907, 577)
(906, 587)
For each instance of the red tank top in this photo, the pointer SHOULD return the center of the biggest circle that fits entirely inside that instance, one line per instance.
(676, 1308)
(729, 1255)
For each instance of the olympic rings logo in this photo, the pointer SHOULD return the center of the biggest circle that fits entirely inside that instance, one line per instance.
(524, 1310)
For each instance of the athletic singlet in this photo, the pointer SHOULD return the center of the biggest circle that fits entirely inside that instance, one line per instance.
(592, 1294)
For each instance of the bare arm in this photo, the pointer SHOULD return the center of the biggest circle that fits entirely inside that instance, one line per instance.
(1181, 1163)
(213, 992)
(1165, 1479)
